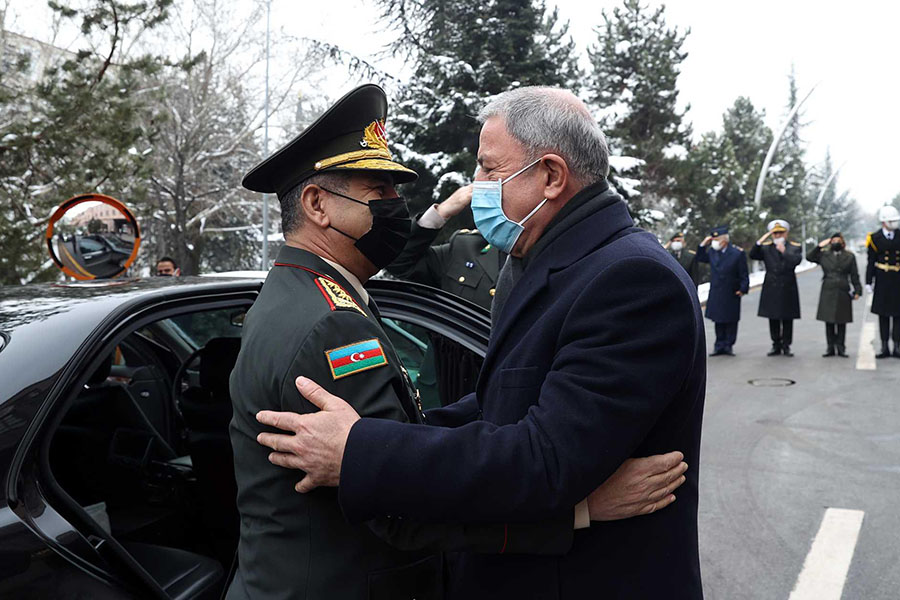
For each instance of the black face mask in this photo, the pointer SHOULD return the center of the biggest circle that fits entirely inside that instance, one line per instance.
(837, 247)
(391, 226)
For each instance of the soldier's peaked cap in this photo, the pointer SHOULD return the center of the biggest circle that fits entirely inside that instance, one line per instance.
(349, 136)
(720, 230)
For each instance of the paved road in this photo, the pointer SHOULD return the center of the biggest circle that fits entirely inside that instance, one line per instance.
(775, 458)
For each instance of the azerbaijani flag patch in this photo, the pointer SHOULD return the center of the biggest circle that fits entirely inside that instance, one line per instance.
(355, 358)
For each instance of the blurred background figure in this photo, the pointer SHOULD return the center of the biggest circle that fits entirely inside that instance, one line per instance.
(167, 267)
(686, 258)
(883, 272)
(779, 301)
(839, 272)
(728, 281)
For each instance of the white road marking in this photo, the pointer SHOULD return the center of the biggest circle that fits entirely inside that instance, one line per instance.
(825, 569)
(865, 354)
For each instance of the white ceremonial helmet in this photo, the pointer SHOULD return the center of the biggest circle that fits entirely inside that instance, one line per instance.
(778, 225)
(888, 213)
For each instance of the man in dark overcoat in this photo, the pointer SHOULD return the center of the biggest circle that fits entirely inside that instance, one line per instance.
(579, 374)
(839, 271)
(779, 301)
(686, 257)
(883, 274)
(728, 282)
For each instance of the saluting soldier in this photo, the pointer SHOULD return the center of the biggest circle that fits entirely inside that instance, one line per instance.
(838, 273)
(728, 282)
(883, 273)
(685, 257)
(343, 222)
(466, 265)
(779, 301)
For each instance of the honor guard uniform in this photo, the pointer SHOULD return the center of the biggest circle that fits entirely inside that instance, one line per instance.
(728, 281)
(314, 318)
(466, 265)
(883, 271)
(779, 301)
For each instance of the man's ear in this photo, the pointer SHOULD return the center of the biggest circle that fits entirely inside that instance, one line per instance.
(557, 176)
(311, 204)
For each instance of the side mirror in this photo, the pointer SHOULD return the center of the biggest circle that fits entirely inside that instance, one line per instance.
(93, 236)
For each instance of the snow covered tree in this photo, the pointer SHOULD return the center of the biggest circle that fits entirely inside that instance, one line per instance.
(633, 86)
(79, 129)
(464, 53)
(835, 211)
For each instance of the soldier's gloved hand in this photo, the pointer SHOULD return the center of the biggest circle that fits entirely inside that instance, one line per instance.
(640, 486)
(870, 288)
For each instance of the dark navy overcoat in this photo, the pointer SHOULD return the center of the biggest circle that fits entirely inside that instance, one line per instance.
(727, 274)
(597, 356)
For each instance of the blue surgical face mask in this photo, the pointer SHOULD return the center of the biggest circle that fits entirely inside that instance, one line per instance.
(487, 208)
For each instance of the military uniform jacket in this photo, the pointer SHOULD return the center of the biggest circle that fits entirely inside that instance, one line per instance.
(884, 270)
(688, 260)
(728, 274)
(779, 298)
(308, 320)
(466, 265)
(578, 376)
(838, 272)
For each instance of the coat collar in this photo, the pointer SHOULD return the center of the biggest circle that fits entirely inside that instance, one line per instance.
(290, 256)
(573, 242)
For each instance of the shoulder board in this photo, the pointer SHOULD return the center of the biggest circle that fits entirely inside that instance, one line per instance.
(795, 244)
(336, 296)
(692, 252)
(870, 243)
(738, 248)
(768, 243)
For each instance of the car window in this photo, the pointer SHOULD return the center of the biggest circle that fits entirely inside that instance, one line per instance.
(89, 245)
(196, 329)
(441, 369)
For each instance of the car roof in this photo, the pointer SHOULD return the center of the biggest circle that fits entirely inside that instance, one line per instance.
(42, 326)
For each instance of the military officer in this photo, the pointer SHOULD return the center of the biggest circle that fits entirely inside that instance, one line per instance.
(466, 265)
(343, 222)
(838, 273)
(883, 274)
(728, 282)
(685, 257)
(779, 301)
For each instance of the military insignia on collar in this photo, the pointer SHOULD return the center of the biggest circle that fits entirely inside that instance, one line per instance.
(355, 358)
(337, 296)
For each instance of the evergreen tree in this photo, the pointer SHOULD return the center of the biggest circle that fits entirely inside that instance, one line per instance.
(633, 84)
(464, 53)
(78, 130)
(835, 211)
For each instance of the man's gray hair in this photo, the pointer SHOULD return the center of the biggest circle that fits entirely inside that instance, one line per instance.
(292, 212)
(545, 119)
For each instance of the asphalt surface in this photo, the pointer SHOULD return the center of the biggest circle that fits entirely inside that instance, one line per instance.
(775, 458)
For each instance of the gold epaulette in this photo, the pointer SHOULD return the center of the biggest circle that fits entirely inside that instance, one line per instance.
(795, 244)
(870, 243)
(768, 243)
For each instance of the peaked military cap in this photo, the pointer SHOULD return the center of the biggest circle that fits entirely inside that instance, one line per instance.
(720, 230)
(778, 225)
(677, 235)
(349, 136)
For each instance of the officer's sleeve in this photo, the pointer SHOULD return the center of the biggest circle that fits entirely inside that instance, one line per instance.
(756, 252)
(420, 261)
(854, 278)
(613, 374)
(702, 255)
(372, 388)
(743, 274)
(815, 254)
(872, 255)
(793, 257)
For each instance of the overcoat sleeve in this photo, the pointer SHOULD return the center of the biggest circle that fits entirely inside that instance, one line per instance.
(376, 393)
(814, 254)
(702, 254)
(743, 274)
(612, 375)
(854, 278)
(872, 253)
(756, 253)
(420, 261)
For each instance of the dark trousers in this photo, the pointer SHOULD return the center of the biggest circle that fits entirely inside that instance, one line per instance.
(835, 334)
(782, 332)
(726, 335)
(885, 324)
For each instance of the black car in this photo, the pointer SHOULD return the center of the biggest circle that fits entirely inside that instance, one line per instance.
(114, 411)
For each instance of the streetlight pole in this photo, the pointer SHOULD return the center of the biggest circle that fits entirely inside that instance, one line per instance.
(265, 220)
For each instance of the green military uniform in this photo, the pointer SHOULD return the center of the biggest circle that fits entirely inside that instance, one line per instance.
(688, 260)
(309, 320)
(466, 265)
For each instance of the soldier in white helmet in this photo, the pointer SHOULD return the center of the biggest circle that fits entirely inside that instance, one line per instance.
(883, 273)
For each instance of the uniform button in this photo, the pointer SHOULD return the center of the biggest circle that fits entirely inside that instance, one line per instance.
(493, 291)
(461, 279)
